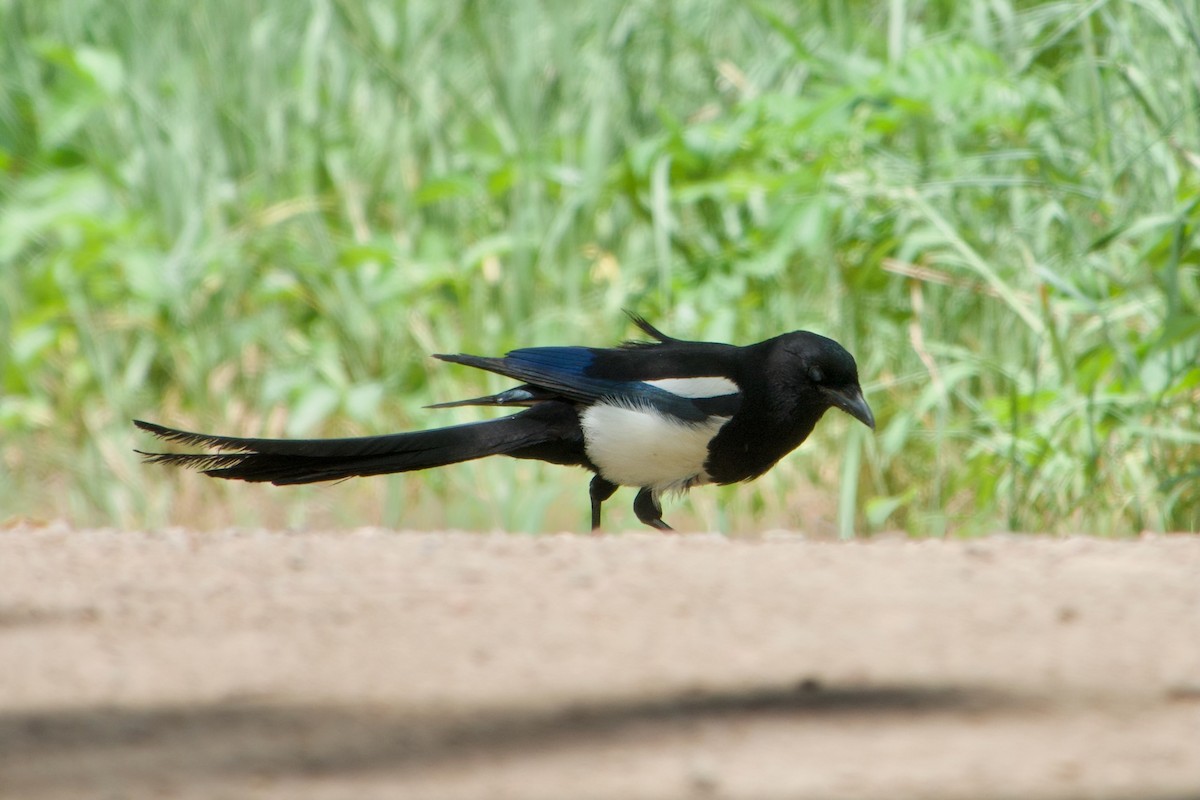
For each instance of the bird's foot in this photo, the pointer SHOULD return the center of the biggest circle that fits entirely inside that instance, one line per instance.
(648, 509)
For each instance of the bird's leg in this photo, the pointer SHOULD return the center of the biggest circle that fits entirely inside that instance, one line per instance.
(646, 506)
(600, 491)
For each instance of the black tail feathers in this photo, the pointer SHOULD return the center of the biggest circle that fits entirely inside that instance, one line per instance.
(292, 461)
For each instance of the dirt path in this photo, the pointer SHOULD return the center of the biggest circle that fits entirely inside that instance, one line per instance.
(371, 664)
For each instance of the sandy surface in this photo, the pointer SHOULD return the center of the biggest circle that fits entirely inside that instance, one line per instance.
(373, 664)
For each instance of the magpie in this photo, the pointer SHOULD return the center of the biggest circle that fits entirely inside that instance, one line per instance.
(662, 416)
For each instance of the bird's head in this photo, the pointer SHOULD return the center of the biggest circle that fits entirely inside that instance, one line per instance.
(816, 368)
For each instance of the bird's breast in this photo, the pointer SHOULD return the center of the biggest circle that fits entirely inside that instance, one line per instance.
(639, 446)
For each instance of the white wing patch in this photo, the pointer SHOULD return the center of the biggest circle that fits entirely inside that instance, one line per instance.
(642, 447)
(696, 387)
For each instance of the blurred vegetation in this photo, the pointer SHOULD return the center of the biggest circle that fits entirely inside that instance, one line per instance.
(259, 218)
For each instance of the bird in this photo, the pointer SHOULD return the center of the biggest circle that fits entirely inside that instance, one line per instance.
(662, 416)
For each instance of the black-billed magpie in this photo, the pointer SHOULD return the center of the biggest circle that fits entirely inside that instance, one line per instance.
(661, 416)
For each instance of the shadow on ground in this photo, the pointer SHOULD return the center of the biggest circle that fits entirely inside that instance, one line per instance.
(56, 749)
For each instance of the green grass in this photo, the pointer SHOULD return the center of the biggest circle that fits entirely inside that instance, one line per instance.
(259, 218)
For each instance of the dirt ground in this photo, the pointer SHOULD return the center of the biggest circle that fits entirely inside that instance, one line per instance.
(376, 664)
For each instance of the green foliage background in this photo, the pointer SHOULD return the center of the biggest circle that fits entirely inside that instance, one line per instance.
(259, 218)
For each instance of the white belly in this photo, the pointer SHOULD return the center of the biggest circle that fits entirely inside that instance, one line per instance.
(641, 447)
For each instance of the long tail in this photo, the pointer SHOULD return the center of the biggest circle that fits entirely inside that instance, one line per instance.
(290, 461)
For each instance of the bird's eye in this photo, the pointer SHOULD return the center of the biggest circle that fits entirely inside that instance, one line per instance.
(815, 374)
